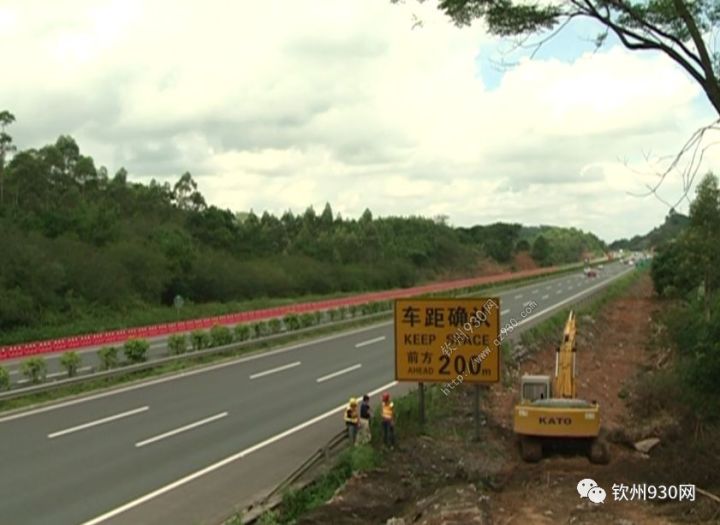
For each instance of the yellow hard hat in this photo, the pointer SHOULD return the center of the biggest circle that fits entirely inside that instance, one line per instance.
(353, 401)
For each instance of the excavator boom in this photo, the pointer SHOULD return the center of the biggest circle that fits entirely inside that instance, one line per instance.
(564, 382)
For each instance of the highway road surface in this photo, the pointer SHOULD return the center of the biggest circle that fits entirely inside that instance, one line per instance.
(187, 449)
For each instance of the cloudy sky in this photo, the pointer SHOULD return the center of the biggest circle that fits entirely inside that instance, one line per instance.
(279, 104)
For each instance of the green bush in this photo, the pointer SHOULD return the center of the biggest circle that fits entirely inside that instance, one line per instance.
(307, 320)
(177, 344)
(334, 314)
(70, 361)
(319, 317)
(136, 350)
(34, 369)
(292, 321)
(242, 332)
(260, 328)
(353, 310)
(275, 325)
(4, 379)
(344, 312)
(220, 335)
(200, 339)
(108, 356)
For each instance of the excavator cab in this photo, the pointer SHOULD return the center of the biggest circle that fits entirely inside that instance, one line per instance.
(534, 387)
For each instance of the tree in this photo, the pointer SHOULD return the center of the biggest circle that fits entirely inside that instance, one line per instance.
(540, 251)
(704, 235)
(70, 361)
(6, 146)
(34, 369)
(108, 356)
(680, 29)
(136, 350)
(186, 196)
(522, 246)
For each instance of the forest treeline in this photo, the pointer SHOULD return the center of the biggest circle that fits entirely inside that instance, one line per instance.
(686, 271)
(80, 243)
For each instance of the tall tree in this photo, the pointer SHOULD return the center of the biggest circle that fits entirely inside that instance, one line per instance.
(540, 251)
(6, 146)
(679, 29)
(704, 235)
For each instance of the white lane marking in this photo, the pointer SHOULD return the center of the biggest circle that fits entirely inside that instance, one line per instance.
(558, 292)
(506, 311)
(181, 429)
(215, 466)
(518, 296)
(370, 341)
(545, 296)
(97, 422)
(80, 370)
(535, 291)
(189, 373)
(548, 287)
(273, 370)
(338, 373)
(50, 376)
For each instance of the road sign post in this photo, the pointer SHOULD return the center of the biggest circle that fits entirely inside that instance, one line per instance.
(477, 412)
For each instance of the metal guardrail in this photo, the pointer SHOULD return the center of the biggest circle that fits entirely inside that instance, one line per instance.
(273, 499)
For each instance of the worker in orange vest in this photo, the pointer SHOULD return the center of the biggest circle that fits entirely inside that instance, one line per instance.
(351, 419)
(388, 420)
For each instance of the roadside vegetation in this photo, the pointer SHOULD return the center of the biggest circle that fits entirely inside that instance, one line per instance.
(86, 250)
(686, 274)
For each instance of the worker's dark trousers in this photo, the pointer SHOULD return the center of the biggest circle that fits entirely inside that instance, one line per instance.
(352, 431)
(388, 432)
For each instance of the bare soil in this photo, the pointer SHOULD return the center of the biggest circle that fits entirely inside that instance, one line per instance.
(446, 477)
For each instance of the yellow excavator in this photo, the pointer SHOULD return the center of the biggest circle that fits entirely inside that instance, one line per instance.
(549, 414)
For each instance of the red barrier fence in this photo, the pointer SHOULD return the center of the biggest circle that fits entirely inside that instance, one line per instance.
(116, 336)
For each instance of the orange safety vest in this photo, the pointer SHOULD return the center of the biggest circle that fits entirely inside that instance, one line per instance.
(351, 415)
(388, 410)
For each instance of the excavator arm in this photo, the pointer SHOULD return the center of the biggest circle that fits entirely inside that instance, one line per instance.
(564, 380)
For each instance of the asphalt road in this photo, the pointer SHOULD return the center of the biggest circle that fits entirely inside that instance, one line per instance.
(186, 449)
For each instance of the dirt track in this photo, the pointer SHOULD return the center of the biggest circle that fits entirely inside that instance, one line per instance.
(433, 479)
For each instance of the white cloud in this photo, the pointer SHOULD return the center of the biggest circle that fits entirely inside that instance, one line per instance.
(276, 105)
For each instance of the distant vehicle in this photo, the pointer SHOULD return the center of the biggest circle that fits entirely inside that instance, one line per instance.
(590, 272)
(600, 266)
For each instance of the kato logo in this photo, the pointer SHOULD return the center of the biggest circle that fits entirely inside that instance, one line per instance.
(555, 420)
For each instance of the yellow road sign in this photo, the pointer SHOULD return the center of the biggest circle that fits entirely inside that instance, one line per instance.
(439, 340)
